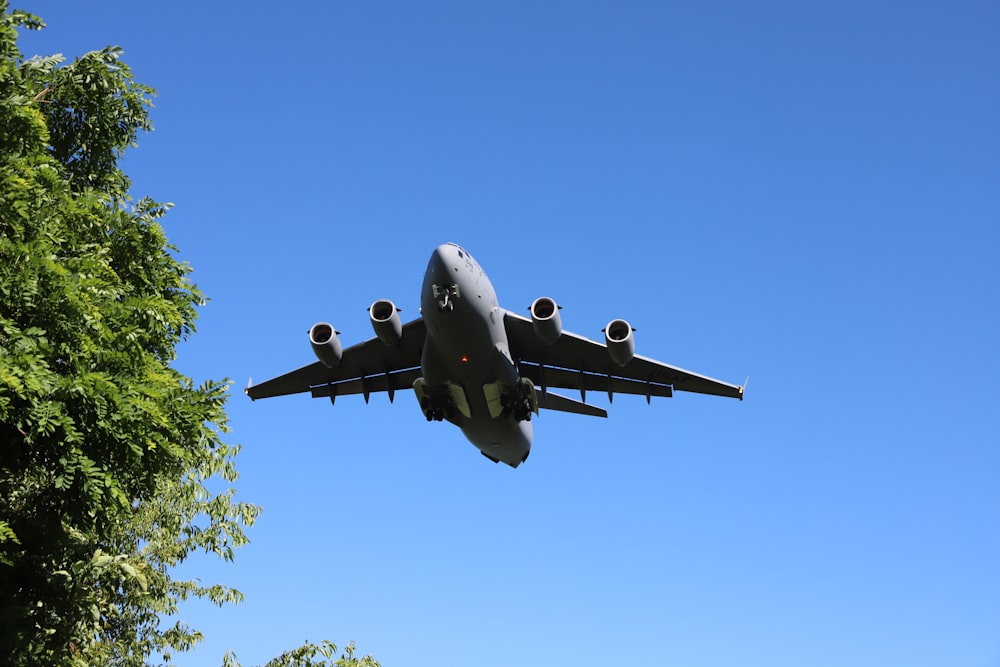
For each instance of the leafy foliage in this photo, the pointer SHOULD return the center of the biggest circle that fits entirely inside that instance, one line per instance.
(105, 449)
(313, 655)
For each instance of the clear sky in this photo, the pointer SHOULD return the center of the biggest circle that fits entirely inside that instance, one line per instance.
(805, 193)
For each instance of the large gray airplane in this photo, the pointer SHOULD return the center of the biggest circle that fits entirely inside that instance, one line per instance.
(479, 366)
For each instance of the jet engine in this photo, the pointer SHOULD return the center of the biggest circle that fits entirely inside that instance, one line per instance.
(385, 322)
(621, 342)
(545, 319)
(325, 344)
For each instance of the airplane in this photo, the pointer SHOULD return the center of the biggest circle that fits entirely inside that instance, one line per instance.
(483, 368)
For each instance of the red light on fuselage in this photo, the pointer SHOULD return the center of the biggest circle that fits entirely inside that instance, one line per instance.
(465, 358)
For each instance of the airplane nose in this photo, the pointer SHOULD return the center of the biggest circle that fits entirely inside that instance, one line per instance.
(436, 264)
(441, 290)
(442, 259)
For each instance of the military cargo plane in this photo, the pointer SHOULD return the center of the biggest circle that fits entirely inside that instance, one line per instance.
(483, 368)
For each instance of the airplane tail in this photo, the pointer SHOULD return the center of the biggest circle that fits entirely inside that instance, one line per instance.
(550, 401)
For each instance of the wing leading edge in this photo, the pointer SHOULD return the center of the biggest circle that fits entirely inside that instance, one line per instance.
(575, 362)
(364, 368)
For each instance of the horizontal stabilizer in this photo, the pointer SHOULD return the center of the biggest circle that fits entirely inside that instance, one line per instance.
(549, 401)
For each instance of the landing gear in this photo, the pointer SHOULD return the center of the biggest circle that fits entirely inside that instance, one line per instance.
(441, 402)
(437, 414)
(521, 409)
(434, 410)
(446, 296)
(521, 402)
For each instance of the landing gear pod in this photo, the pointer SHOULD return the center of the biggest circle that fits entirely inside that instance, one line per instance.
(325, 344)
(620, 341)
(545, 320)
(385, 321)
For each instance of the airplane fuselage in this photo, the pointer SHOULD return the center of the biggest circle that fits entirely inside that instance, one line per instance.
(466, 351)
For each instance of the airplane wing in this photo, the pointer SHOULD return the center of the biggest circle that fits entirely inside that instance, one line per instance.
(364, 368)
(575, 362)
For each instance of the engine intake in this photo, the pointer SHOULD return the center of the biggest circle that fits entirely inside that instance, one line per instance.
(620, 341)
(385, 321)
(325, 344)
(545, 319)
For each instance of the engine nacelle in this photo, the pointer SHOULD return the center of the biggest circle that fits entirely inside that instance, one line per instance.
(385, 322)
(545, 319)
(621, 342)
(326, 344)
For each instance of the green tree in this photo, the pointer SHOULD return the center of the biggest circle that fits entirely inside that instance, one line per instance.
(105, 449)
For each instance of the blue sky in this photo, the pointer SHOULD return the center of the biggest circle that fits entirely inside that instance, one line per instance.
(804, 194)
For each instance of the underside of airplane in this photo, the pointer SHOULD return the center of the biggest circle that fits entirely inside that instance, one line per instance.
(483, 368)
